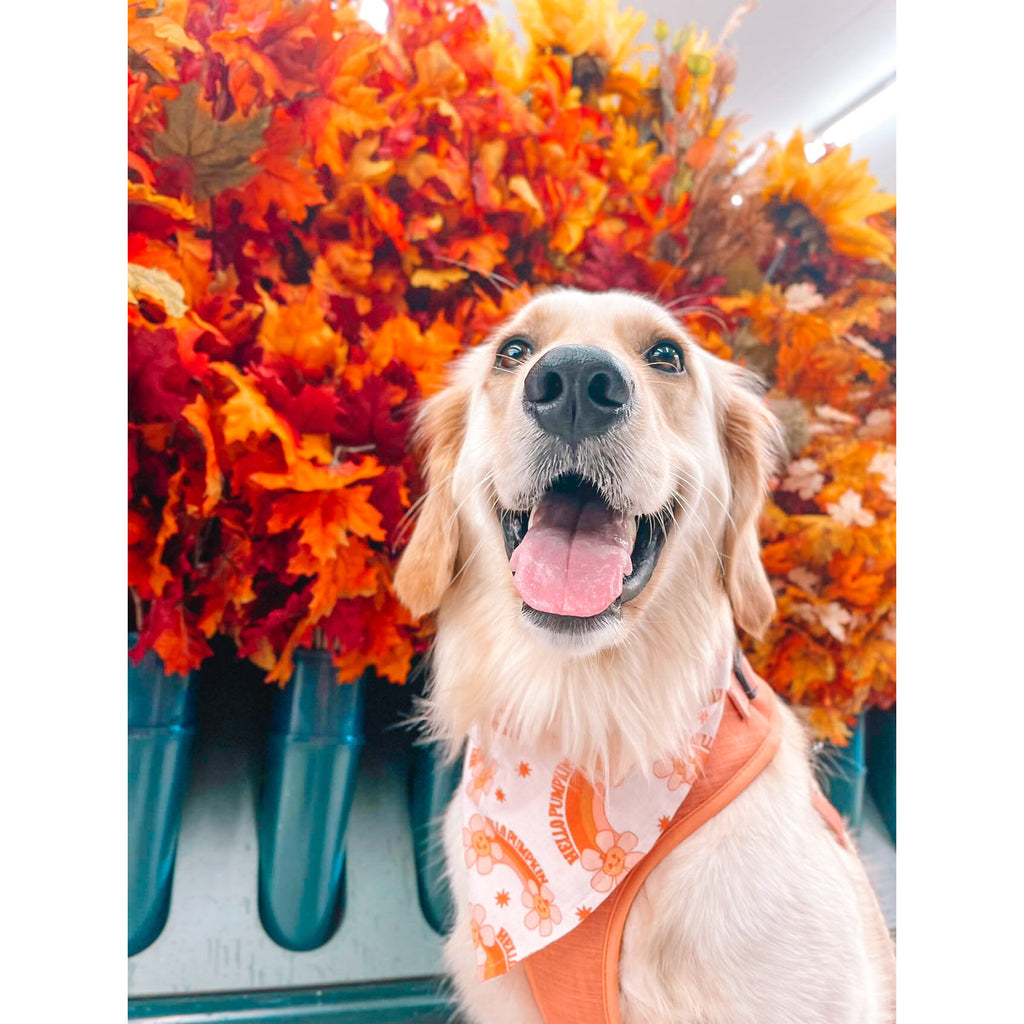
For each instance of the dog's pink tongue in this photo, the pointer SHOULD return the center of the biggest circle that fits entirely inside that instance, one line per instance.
(574, 556)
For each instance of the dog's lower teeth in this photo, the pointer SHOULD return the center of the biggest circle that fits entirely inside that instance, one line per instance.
(634, 525)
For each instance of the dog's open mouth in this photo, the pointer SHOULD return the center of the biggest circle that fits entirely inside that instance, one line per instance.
(574, 559)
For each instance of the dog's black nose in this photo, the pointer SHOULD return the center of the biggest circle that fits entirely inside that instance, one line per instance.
(577, 391)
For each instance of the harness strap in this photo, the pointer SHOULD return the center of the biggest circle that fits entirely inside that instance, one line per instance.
(576, 980)
(832, 817)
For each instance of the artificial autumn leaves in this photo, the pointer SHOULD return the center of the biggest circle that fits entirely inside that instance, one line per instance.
(319, 217)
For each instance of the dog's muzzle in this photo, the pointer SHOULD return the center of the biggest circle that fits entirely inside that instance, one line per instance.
(578, 391)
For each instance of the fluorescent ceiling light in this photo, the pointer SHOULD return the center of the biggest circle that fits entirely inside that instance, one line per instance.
(814, 150)
(858, 121)
(374, 13)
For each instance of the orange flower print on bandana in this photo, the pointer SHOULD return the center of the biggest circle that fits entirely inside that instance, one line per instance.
(615, 855)
(481, 850)
(543, 914)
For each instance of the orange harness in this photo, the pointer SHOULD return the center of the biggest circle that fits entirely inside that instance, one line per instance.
(576, 979)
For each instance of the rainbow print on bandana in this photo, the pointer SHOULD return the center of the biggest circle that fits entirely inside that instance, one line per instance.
(495, 951)
(582, 832)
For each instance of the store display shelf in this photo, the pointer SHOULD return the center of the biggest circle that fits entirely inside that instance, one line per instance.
(214, 947)
(412, 1001)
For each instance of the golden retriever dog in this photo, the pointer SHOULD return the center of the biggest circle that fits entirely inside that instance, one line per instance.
(600, 410)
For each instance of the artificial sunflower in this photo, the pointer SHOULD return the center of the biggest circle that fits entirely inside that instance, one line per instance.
(838, 194)
(594, 27)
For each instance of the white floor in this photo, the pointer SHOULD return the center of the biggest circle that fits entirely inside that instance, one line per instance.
(879, 856)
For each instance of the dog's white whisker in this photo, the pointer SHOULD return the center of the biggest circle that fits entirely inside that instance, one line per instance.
(694, 515)
(469, 560)
(414, 506)
(479, 485)
(490, 277)
(703, 311)
(684, 476)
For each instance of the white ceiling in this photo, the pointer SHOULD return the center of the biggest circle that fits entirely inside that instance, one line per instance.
(801, 62)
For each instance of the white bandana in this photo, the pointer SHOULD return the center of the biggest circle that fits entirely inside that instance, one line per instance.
(544, 847)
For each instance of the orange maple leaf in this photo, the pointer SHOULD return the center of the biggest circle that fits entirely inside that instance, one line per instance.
(390, 653)
(851, 582)
(198, 414)
(447, 164)
(252, 73)
(481, 253)
(297, 331)
(353, 571)
(425, 353)
(174, 647)
(345, 260)
(288, 509)
(160, 575)
(288, 179)
(387, 215)
(247, 412)
(329, 527)
(304, 476)
(157, 36)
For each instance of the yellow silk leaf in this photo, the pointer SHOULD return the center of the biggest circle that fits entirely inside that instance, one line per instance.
(437, 279)
(153, 283)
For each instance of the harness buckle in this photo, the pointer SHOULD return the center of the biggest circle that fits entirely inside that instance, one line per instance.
(737, 668)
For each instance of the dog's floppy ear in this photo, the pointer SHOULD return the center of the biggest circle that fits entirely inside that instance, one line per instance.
(752, 441)
(427, 566)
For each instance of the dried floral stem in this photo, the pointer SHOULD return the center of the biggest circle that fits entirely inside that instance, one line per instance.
(137, 603)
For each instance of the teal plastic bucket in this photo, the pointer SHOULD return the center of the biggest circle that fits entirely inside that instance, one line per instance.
(161, 728)
(432, 785)
(309, 780)
(881, 758)
(842, 773)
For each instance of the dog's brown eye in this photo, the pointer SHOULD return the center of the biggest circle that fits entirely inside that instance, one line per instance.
(514, 351)
(665, 356)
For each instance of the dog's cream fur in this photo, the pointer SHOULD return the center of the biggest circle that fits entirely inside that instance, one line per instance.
(760, 916)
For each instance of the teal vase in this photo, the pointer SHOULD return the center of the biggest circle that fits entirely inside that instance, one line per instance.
(881, 758)
(432, 784)
(161, 727)
(309, 780)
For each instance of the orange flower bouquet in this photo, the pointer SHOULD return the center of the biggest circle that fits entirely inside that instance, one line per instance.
(321, 216)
